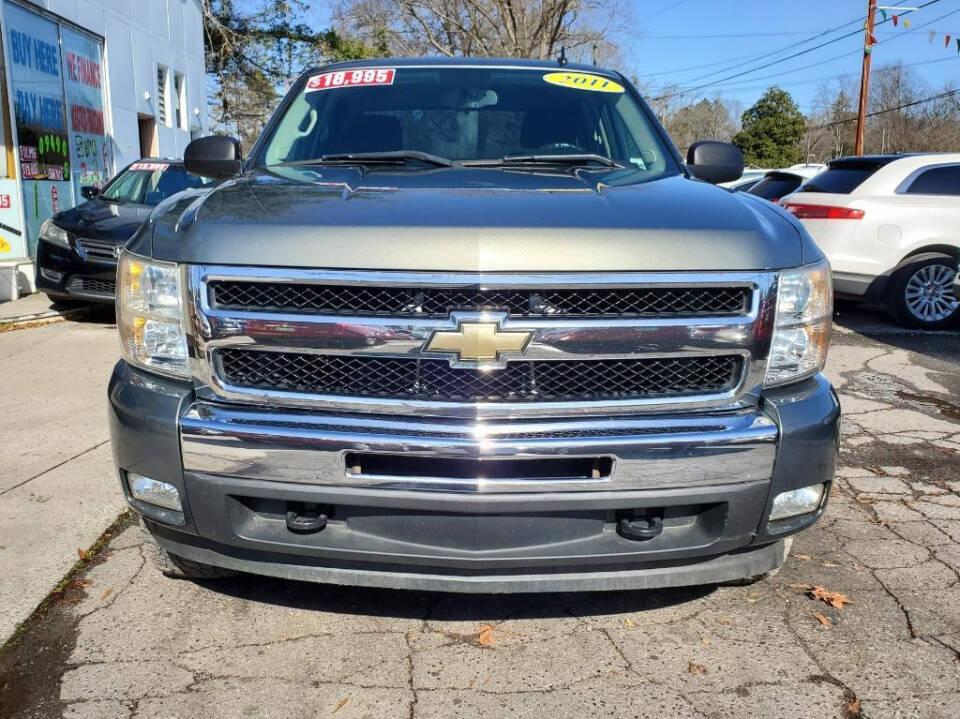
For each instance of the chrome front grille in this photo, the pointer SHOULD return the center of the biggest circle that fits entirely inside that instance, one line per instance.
(441, 301)
(599, 343)
(97, 249)
(435, 380)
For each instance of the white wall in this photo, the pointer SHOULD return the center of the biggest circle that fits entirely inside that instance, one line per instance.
(139, 35)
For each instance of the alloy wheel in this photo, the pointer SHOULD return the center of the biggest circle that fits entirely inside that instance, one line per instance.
(929, 293)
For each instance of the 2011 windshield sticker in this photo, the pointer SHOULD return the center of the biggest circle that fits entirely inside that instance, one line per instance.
(583, 81)
(351, 78)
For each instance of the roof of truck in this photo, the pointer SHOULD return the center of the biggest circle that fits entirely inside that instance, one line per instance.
(462, 62)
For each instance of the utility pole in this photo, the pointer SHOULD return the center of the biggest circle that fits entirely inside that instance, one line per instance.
(865, 76)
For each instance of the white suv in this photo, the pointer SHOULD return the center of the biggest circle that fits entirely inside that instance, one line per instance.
(890, 226)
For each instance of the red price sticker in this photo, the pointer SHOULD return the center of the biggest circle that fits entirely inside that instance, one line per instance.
(149, 166)
(351, 78)
(4, 202)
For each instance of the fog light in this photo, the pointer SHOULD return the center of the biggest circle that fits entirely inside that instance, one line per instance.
(153, 492)
(796, 502)
(51, 275)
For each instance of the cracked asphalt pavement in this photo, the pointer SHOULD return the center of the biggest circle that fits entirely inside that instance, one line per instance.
(120, 640)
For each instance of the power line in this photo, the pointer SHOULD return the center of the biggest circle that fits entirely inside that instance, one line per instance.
(939, 96)
(789, 57)
(847, 54)
(730, 63)
(661, 11)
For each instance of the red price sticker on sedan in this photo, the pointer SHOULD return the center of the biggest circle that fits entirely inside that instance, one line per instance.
(351, 78)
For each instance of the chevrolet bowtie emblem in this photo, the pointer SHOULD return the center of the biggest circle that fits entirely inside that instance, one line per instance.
(478, 341)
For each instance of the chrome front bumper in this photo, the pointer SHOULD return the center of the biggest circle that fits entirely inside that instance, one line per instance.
(652, 452)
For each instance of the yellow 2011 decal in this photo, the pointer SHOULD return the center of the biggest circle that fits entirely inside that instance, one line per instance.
(583, 81)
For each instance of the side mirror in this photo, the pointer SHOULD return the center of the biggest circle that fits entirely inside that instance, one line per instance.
(715, 162)
(216, 157)
(88, 192)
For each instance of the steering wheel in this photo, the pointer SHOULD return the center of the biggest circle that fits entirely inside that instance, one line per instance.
(562, 147)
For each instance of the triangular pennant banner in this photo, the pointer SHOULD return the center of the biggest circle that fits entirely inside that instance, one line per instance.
(896, 19)
(946, 41)
(933, 34)
(958, 44)
(906, 24)
(871, 40)
(884, 13)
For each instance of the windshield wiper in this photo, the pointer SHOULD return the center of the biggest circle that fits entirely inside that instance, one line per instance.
(392, 157)
(575, 160)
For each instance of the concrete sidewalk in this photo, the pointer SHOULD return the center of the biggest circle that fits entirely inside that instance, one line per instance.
(58, 491)
(38, 306)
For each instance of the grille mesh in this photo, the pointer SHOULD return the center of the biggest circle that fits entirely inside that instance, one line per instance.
(90, 286)
(532, 381)
(98, 249)
(439, 301)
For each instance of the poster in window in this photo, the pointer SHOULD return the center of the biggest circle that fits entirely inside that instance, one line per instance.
(33, 49)
(91, 157)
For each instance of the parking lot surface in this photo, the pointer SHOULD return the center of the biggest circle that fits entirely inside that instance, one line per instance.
(120, 640)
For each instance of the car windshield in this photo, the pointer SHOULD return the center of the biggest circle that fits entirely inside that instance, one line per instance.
(467, 115)
(149, 183)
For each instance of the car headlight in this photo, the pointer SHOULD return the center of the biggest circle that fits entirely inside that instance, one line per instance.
(801, 333)
(51, 233)
(149, 315)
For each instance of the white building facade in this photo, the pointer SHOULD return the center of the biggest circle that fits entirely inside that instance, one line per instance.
(87, 87)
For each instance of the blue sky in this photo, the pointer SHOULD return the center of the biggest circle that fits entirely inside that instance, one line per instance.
(671, 44)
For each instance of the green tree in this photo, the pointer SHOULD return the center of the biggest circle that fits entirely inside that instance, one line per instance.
(255, 48)
(772, 131)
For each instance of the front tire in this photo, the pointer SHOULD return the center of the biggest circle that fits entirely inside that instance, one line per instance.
(921, 294)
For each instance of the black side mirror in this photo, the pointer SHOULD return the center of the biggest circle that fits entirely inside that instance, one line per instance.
(88, 192)
(715, 162)
(216, 157)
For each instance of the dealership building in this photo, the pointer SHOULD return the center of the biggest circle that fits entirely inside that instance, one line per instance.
(88, 86)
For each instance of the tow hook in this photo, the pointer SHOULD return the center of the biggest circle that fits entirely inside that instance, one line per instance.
(306, 519)
(639, 528)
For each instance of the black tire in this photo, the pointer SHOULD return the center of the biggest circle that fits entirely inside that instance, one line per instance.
(906, 299)
(177, 567)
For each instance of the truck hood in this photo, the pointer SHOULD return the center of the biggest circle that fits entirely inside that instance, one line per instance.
(476, 220)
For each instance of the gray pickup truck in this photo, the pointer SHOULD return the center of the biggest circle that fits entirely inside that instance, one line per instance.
(472, 326)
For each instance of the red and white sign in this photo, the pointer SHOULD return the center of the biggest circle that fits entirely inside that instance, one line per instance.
(4, 202)
(149, 166)
(54, 199)
(351, 78)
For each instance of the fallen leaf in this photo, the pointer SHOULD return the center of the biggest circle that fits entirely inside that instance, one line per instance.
(485, 637)
(472, 682)
(105, 595)
(722, 622)
(704, 640)
(852, 708)
(696, 668)
(820, 618)
(830, 564)
(342, 704)
(835, 599)
(802, 557)
(82, 553)
(628, 622)
(78, 584)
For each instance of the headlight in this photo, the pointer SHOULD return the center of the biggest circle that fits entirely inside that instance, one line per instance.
(51, 233)
(149, 316)
(802, 330)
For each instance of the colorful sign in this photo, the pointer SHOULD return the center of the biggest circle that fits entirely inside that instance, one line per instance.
(91, 156)
(351, 78)
(37, 92)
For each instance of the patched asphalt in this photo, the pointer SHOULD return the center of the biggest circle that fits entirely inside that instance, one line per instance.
(123, 641)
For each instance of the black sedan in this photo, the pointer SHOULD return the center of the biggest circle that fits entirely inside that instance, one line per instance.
(78, 248)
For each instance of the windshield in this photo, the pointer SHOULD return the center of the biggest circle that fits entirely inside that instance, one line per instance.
(149, 183)
(841, 179)
(466, 114)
